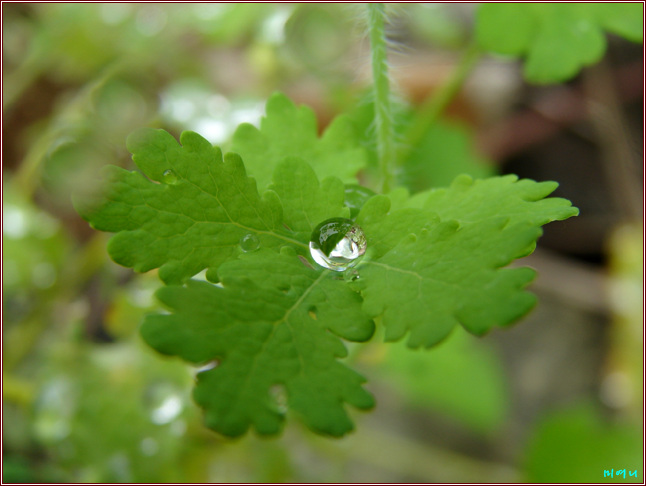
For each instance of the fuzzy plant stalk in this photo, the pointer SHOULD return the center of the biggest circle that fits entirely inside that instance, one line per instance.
(381, 93)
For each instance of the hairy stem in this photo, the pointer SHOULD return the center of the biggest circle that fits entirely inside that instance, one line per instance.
(381, 92)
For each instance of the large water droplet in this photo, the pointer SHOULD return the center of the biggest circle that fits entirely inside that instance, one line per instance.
(337, 244)
(169, 177)
(249, 242)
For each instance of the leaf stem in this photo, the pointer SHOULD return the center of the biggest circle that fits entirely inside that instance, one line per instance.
(381, 94)
(433, 106)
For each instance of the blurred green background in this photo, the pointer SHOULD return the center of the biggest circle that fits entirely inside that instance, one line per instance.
(557, 398)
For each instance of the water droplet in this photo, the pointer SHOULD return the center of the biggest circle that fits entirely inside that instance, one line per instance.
(169, 177)
(249, 242)
(352, 276)
(337, 244)
(355, 197)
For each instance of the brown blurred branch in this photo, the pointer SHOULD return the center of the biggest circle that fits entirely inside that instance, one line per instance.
(558, 109)
(618, 155)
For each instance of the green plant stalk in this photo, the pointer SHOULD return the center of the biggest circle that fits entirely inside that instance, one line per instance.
(433, 106)
(389, 450)
(381, 94)
(27, 176)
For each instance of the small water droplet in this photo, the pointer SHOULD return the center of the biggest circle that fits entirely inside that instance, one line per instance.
(352, 276)
(249, 242)
(169, 177)
(337, 244)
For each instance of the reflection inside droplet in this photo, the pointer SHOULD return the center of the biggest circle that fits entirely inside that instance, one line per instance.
(337, 244)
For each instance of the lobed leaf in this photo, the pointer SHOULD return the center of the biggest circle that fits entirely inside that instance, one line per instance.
(195, 219)
(289, 131)
(306, 202)
(274, 322)
(471, 200)
(192, 221)
(557, 39)
(267, 326)
(437, 264)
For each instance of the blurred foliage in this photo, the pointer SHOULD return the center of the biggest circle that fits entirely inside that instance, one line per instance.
(577, 445)
(84, 400)
(459, 373)
(449, 145)
(623, 386)
(558, 39)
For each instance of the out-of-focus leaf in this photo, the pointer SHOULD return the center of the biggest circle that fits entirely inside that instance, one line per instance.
(461, 378)
(444, 152)
(556, 39)
(577, 446)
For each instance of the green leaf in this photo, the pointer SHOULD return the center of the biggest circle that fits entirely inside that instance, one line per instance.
(196, 216)
(355, 197)
(624, 19)
(444, 152)
(446, 380)
(468, 200)
(267, 327)
(557, 39)
(193, 219)
(433, 261)
(288, 130)
(506, 30)
(305, 202)
(433, 266)
(267, 322)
